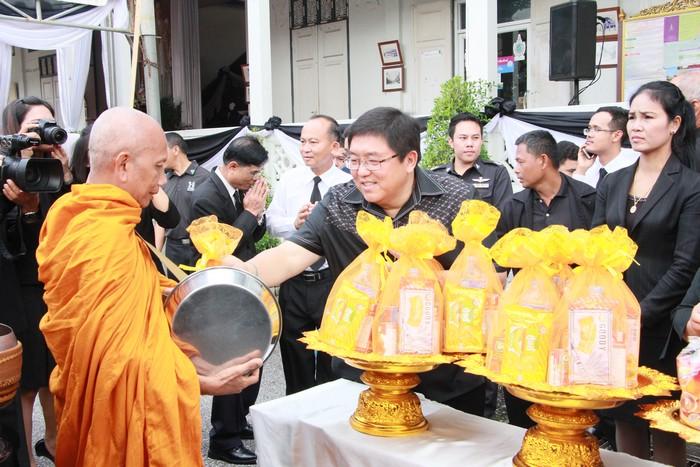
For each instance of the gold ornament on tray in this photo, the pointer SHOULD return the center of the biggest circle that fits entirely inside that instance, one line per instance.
(388, 407)
(564, 413)
(664, 415)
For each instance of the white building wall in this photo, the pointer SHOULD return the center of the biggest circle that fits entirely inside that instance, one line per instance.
(281, 60)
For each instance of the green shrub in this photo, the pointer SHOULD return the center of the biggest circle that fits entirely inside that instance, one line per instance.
(265, 243)
(456, 95)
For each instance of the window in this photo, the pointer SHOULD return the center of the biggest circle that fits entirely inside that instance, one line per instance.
(306, 13)
(47, 66)
(512, 10)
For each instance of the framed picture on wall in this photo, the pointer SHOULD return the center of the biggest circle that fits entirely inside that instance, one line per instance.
(392, 78)
(608, 48)
(245, 73)
(610, 26)
(390, 53)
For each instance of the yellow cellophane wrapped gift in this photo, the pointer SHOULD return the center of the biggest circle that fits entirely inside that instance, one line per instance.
(560, 257)
(472, 287)
(519, 340)
(409, 315)
(597, 322)
(213, 240)
(350, 308)
(688, 362)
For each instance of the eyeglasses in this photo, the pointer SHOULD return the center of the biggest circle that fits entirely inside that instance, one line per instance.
(371, 165)
(595, 129)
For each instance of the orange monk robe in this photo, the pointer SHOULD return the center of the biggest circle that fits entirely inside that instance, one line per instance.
(125, 394)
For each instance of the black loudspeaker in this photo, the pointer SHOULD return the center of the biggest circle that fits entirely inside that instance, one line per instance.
(572, 30)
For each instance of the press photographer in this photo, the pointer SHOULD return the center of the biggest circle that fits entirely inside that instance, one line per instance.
(34, 173)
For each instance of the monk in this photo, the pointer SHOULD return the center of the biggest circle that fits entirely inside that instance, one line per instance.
(125, 393)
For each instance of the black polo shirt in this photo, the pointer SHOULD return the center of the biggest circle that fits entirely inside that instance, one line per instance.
(490, 180)
(571, 207)
(330, 229)
(179, 189)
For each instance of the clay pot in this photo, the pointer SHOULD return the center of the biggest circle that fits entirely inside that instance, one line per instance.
(10, 364)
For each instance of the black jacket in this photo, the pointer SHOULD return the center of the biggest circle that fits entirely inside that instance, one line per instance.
(665, 229)
(211, 197)
(580, 202)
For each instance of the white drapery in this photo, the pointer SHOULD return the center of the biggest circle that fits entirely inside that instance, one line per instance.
(184, 33)
(72, 47)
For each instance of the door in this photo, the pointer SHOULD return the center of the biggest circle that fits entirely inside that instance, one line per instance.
(433, 45)
(305, 72)
(320, 71)
(333, 70)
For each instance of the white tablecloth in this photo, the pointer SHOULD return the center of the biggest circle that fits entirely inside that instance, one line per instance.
(311, 429)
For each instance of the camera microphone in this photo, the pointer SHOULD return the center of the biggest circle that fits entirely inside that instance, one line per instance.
(14, 142)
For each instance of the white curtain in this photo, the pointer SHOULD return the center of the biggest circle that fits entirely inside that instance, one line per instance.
(184, 33)
(72, 47)
(116, 58)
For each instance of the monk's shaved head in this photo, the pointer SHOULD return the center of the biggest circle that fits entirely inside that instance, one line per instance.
(689, 84)
(120, 129)
(127, 149)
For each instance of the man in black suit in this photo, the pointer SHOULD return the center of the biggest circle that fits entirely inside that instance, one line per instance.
(236, 193)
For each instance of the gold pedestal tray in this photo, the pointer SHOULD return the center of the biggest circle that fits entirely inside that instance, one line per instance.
(664, 415)
(560, 436)
(389, 407)
(564, 413)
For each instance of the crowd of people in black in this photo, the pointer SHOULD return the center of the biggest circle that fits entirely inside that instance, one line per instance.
(653, 191)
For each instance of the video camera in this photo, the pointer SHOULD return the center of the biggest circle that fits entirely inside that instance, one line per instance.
(35, 174)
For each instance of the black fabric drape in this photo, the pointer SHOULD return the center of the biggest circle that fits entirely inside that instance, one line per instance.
(571, 123)
(203, 148)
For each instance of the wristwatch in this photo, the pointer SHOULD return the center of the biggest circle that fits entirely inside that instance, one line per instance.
(30, 217)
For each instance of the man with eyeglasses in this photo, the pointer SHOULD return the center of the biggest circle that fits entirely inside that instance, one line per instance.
(303, 296)
(601, 153)
(383, 156)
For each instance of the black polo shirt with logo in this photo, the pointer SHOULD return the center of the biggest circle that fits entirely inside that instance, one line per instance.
(330, 231)
(179, 189)
(491, 180)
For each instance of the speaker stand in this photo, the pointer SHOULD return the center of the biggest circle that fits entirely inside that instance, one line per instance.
(574, 100)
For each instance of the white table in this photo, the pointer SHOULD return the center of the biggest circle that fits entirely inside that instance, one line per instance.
(311, 429)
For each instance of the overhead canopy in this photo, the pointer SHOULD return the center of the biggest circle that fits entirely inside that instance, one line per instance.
(72, 46)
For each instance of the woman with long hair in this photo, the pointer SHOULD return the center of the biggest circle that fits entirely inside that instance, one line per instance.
(22, 116)
(658, 201)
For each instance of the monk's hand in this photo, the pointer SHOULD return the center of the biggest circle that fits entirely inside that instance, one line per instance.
(28, 202)
(231, 377)
(693, 326)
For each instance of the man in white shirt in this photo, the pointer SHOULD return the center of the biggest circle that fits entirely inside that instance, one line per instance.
(303, 297)
(602, 154)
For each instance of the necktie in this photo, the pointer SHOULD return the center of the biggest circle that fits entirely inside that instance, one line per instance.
(316, 192)
(601, 175)
(237, 201)
(316, 197)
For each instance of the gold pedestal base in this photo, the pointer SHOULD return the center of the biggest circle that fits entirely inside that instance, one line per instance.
(389, 407)
(560, 436)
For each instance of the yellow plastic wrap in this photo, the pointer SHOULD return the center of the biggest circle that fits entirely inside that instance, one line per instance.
(213, 240)
(472, 287)
(597, 322)
(688, 362)
(560, 257)
(350, 308)
(519, 340)
(409, 316)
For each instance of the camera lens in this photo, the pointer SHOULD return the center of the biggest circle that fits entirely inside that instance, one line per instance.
(55, 135)
(31, 175)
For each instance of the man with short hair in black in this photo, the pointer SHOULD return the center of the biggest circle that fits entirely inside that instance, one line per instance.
(236, 193)
(491, 180)
(601, 153)
(183, 176)
(549, 198)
